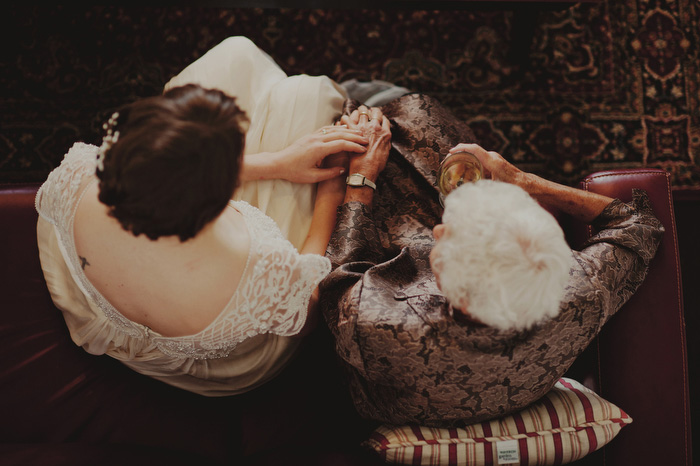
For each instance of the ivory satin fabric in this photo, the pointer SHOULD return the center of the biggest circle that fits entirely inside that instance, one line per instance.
(281, 109)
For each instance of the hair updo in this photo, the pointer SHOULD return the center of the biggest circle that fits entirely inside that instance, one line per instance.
(176, 163)
(503, 258)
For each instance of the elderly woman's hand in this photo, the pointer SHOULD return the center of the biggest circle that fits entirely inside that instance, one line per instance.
(495, 166)
(376, 127)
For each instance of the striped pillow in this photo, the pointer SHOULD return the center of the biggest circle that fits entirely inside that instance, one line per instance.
(568, 423)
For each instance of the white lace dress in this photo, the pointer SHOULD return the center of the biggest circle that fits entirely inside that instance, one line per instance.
(249, 341)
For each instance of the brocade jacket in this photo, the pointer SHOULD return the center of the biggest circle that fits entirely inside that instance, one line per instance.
(409, 359)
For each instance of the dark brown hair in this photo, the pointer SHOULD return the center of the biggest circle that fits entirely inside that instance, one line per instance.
(176, 163)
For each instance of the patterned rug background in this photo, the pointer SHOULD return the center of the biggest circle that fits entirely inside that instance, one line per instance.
(614, 84)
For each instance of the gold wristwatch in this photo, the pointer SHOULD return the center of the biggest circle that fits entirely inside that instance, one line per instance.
(357, 180)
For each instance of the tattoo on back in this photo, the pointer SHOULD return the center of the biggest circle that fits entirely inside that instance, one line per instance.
(83, 262)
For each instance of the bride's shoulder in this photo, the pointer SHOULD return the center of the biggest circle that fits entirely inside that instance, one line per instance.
(259, 224)
(58, 195)
(80, 155)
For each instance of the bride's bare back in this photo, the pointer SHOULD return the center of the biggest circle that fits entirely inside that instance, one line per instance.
(175, 288)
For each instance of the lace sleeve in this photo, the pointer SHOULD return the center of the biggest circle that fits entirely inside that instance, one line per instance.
(272, 296)
(280, 286)
(276, 296)
(56, 198)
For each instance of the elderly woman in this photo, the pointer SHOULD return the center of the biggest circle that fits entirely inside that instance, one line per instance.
(483, 317)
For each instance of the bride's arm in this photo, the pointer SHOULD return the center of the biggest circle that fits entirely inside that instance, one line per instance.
(329, 195)
(333, 192)
(302, 161)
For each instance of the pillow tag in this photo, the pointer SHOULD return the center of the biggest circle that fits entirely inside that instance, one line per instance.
(507, 452)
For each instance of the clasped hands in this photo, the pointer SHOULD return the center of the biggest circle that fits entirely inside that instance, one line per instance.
(377, 129)
(373, 125)
(359, 141)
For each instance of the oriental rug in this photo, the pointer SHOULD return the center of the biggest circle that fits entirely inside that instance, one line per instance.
(600, 85)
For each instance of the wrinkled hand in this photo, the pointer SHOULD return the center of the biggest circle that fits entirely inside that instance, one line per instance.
(303, 160)
(495, 166)
(376, 127)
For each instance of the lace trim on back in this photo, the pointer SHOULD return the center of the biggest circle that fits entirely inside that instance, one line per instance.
(57, 201)
(272, 296)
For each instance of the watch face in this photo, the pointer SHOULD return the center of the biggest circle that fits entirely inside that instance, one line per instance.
(358, 180)
(355, 180)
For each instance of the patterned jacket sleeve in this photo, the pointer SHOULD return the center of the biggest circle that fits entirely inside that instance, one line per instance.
(355, 238)
(354, 248)
(616, 258)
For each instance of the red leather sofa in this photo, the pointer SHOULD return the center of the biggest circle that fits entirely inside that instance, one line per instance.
(62, 406)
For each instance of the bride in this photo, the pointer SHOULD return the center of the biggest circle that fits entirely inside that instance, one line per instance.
(190, 244)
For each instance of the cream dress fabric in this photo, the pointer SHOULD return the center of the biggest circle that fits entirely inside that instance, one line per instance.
(281, 109)
(250, 341)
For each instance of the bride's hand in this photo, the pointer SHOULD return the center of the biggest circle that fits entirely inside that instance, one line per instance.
(302, 161)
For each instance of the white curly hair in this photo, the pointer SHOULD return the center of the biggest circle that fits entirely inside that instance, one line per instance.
(502, 258)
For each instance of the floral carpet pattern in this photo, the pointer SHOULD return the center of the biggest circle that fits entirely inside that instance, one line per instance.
(599, 85)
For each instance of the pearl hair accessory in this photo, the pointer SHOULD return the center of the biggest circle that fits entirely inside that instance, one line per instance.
(108, 141)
